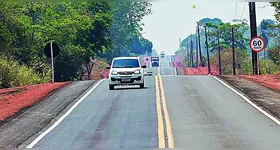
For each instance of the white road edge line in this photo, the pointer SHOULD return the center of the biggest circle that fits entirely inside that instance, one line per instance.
(168, 75)
(33, 143)
(249, 101)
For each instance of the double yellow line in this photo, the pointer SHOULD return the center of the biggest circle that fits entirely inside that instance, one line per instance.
(165, 136)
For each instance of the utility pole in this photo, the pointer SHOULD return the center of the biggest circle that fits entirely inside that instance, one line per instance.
(200, 55)
(264, 54)
(262, 37)
(233, 52)
(191, 51)
(208, 59)
(185, 54)
(253, 27)
(219, 52)
(188, 57)
(196, 49)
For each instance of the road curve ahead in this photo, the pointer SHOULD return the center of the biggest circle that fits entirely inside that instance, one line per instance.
(122, 118)
(206, 115)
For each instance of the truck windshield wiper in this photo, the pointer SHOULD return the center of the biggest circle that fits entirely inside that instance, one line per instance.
(129, 66)
(118, 67)
(125, 67)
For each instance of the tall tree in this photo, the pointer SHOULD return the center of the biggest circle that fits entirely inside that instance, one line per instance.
(224, 30)
(82, 30)
(126, 26)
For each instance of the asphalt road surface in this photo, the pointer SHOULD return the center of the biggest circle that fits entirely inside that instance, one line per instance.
(207, 115)
(121, 118)
(200, 111)
(165, 69)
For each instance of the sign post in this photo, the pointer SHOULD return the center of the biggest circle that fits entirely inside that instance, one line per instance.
(257, 44)
(51, 50)
(52, 63)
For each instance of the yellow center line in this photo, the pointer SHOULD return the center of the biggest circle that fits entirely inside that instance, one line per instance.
(167, 118)
(161, 141)
(160, 96)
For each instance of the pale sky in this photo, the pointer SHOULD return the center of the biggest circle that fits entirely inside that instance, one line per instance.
(173, 20)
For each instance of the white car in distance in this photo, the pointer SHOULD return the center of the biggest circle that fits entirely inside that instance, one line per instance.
(126, 71)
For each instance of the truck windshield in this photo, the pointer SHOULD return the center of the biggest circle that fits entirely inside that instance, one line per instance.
(125, 63)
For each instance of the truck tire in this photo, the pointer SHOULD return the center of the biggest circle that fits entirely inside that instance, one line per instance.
(142, 86)
(111, 87)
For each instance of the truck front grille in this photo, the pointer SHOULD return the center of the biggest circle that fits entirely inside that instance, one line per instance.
(125, 73)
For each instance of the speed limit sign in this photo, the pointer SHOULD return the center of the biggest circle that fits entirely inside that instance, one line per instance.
(257, 44)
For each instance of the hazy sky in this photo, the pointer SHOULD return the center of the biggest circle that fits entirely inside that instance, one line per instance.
(173, 20)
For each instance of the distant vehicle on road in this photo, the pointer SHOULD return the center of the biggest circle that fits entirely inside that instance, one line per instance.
(172, 58)
(126, 71)
(155, 61)
(162, 54)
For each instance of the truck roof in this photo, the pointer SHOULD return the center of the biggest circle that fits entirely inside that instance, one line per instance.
(125, 58)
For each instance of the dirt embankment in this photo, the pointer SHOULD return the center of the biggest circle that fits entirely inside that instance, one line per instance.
(270, 81)
(201, 70)
(14, 99)
(24, 126)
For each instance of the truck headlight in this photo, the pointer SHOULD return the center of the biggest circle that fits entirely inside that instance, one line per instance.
(137, 72)
(114, 73)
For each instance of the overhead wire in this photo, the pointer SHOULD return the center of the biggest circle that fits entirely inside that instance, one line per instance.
(262, 7)
(235, 10)
(243, 10)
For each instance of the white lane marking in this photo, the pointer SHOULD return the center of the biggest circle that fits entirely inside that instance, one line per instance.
(175, 71)
(33, 143)
(249, 101)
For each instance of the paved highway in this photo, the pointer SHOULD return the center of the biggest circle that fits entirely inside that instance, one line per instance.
(165, 68)
(207, 115)
(193, 112)
(125, 117)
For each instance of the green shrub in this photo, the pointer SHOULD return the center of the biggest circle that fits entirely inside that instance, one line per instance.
(268, 67)
(274, 54)
(13, 74)
(244, 67)
(242, 61)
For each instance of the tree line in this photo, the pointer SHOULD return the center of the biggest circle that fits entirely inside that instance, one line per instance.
(268, 30)
(83, 31)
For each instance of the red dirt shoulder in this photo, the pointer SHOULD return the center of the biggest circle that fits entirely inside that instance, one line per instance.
(270, 81)
(14, 99)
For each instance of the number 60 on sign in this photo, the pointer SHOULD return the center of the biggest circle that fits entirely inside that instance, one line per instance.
(257, 44)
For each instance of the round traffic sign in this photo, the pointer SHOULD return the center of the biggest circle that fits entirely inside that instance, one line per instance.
(257, 44)
(47, 50)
